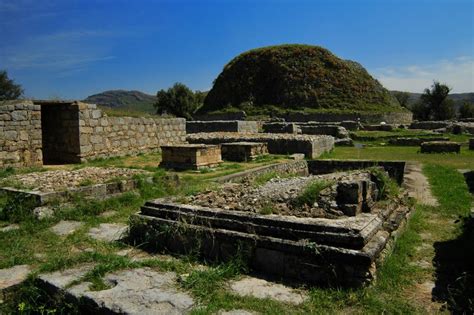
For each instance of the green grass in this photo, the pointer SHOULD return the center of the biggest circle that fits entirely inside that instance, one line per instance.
(392, 293)
(464, 160)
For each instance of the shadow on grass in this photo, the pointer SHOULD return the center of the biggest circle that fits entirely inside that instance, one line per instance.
(454, 270)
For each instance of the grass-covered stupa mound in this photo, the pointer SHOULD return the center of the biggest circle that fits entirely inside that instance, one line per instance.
(296, 77)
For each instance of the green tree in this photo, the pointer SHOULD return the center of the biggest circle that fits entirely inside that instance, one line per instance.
(402, 97)
(466, 110)
(8, 89)
(436, 101)
(420, 111)
(178, 100)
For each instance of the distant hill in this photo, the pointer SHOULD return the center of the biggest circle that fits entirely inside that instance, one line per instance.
(124, 100)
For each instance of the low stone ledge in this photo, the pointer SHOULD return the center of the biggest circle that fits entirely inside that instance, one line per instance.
(299, 167)
(395, 169)
(414, 141)
(440, 147)
(98, 191)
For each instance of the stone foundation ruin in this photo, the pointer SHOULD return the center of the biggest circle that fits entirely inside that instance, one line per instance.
(311, 146)
(336, 240)
(44, 188)
(440, 147)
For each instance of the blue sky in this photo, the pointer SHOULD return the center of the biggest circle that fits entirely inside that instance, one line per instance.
(71, 49)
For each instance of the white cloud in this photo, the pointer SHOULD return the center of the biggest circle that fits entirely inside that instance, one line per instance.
(57, 52)
(457, 73)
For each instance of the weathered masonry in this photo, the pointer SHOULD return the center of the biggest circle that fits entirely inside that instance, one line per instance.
(55, 132)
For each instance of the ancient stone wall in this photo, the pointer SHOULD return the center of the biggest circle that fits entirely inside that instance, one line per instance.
(20, 134)
(240, 115)
(395, 169)
(102, 136)
(293, 167)
(222, 126)
(331, 130)
(370, 118)
(280, 127)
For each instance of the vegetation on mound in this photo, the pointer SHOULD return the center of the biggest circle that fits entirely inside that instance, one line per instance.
(296, 77)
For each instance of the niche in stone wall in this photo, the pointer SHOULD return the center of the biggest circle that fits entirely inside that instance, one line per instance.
(60, 132)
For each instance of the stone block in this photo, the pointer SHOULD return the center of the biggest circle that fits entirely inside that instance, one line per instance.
(95, 114)
(190, 156)
(243, 151)
(11, 135)
(440, 147)
(19, 115)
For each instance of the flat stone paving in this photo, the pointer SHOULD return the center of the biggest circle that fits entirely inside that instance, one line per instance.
(8, 228)
(108, 232)
(13, 276)
(262, 289)
(135, 291)
(235, 312)
(64, 228)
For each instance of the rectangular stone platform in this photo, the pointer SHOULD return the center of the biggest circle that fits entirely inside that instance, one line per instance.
(310, 250)
(311, 145)
(190, 156)
(97, 191)
(243, 151)
(440, 147)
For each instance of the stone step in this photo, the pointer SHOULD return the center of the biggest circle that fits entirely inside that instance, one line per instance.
(292, 229)
(304, 261)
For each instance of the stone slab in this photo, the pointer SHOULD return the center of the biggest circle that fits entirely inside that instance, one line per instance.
(64, 228)
(136, 291)
(9, 228)
(12, 277)
(263, 289)
(108, 232)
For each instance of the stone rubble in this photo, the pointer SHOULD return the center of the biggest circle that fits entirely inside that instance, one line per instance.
(280, 194)
(59, 180)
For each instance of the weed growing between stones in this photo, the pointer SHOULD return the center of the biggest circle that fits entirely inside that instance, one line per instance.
(387, 186)
(311, 193)
(17, 207)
